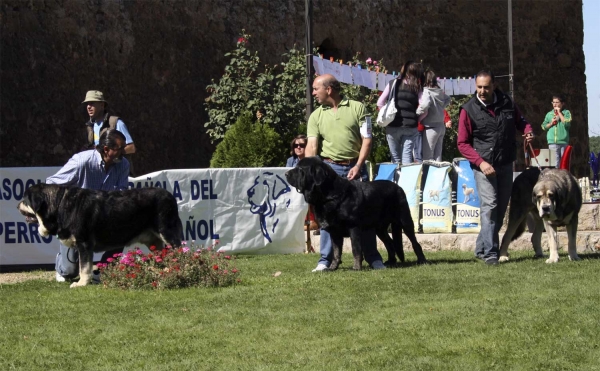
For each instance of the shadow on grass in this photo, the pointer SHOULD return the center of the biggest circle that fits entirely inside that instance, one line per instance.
(525, 258)
(591, 256)
(413, 264)
(561, 255)
(445, 261)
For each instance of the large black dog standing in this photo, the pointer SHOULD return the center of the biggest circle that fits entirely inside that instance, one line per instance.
(94, 221)
(345, 207)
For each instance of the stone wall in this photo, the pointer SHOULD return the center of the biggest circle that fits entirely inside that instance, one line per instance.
(153, 59)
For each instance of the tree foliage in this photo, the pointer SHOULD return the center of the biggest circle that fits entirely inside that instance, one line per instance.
(595, 145)
(241, 88)
(286, 113)
(279, 93)
(450, 149)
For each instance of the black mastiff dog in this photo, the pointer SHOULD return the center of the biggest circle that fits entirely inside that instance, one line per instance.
(94, 221)
(344, 207)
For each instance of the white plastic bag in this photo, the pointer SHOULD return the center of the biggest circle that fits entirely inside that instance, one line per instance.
(387, 113)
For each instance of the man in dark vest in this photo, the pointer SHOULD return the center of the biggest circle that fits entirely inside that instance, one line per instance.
(487, 128)
(101, 120)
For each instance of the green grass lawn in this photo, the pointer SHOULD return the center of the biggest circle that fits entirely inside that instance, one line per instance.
(454, 314)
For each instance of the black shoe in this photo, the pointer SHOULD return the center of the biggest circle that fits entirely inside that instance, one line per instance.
(492, 261)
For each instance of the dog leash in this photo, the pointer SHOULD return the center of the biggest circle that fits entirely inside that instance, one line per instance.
(526, 147)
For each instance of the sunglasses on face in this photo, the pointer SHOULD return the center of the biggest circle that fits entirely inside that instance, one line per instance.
(299, 145)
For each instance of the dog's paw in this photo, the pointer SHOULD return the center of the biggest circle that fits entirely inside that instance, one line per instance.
(422, 261)
(78, 284)
(552, 260)
(574, 258)
(536, 256)
(333, 266)
(390, 264)
(503, 259)
(357, 266)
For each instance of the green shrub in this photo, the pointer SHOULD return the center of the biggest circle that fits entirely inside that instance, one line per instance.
(450, 149)
(249, 143)
(594, 144)
(279, 92)
(241, 88)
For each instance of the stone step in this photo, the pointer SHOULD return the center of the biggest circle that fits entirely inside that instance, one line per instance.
(589, 218)
(588, 237)
(587, 241)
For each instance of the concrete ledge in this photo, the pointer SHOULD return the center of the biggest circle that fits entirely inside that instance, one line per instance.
(589, 218)
(588, 237)
(587, 241)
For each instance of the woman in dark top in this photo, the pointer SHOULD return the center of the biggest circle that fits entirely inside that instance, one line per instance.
(402, 133)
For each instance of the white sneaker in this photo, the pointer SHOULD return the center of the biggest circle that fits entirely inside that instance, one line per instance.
(377, 264)
(60, 278)
(320, 267)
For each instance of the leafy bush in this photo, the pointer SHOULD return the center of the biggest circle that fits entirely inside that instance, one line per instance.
(286, 113)
(249, 143)
(279, 93)
(594, 144)
(241, 88)
(168, 269)
(450, 149)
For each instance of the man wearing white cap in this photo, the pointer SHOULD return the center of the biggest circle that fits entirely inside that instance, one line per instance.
(100, 119)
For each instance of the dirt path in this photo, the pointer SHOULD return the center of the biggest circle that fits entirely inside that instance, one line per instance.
(8, 278)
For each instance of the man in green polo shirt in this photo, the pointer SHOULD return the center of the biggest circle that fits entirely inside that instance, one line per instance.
(343, 129)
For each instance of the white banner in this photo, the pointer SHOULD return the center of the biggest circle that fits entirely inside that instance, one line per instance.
(249, 210)
(374, 80)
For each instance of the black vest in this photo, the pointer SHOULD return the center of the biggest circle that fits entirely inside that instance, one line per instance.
(493, 137)
(108, 122)
(406, 104)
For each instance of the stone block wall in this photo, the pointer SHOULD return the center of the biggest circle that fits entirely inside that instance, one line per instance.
(588, 237)
(153, 59)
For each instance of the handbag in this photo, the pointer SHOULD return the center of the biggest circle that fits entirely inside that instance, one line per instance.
(387, 113)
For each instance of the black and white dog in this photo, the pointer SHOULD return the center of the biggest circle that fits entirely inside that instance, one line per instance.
(94, 221)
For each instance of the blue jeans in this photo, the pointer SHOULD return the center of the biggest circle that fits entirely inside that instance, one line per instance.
(494, 193)
(369, 237)
(67, 260)
(402, 141)
(559, 152)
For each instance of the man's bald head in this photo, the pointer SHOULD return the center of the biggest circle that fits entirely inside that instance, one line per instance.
(326, 90)
(329, 81)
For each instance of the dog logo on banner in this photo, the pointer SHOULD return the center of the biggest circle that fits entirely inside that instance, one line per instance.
(263, 196)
